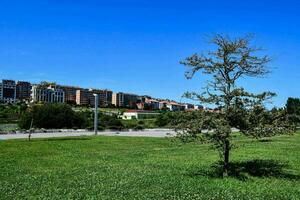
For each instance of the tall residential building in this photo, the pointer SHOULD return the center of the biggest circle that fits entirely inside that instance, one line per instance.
(83, 97)
(23, 90)
(8, 91)
(125, 100)
(105, 97)
(70, 93)
(118, 99)
(49, 94)
(86, 97)
(11, 92)
(130, 100)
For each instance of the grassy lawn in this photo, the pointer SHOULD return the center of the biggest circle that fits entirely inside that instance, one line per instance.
(147, 168)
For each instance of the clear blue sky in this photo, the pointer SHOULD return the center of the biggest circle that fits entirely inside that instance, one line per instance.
(135, 45)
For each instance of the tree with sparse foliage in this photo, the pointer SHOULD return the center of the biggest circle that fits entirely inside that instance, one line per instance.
(230, 61)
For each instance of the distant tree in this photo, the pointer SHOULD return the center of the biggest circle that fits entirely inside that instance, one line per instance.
(141, 122)
(111, 105)
(45, 84)
(10, 113)
(51, 116)
(293, 111)
(71, 102)
(231, 60)
(110, 122)
(166, 118)
(139, 127)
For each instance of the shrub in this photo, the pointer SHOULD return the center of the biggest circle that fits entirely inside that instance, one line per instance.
(110, 122)
(139, 128)
(165, 119)
(141, 123)
(51, 116)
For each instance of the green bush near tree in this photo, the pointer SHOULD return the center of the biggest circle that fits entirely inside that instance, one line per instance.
(10, 113)
(293, 111)
(110, 122)
(166, 118)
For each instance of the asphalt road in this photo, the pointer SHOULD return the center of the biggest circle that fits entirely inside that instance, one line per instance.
(145, 133)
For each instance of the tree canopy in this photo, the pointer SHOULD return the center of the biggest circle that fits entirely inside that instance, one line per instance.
(51, 116)
(293, 111)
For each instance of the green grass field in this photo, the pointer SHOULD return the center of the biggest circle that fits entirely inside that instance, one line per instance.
(147, 168)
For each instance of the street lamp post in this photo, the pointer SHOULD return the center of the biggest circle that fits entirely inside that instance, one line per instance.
(96, 114)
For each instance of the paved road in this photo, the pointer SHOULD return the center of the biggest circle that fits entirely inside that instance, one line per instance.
(145, 133)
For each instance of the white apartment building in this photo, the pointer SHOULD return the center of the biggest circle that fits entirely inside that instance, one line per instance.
(49, 94)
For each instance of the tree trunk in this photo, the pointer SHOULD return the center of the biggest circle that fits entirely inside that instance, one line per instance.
(226, 158)
(30, 130)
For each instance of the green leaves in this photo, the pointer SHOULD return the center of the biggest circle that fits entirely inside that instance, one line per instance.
(51, 116)
(293, 111)
(231, 60)
(264, 123)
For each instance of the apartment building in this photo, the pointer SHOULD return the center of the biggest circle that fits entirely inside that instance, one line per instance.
(23, 90)
(199, 107)
(105, 98)
(153, 104)
(174, 106)
(188, 106)
(118, 99)
(86, 97)
(125, 100)
(8, 91)
(50, 94)
(147, 103)
(70, 93)
(11, 91)
(83, 97)
(130, 100)
(91, 98)
(162, 104)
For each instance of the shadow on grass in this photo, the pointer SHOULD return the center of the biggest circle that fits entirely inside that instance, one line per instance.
(265, 140)
(61, 139)
(246, 169)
